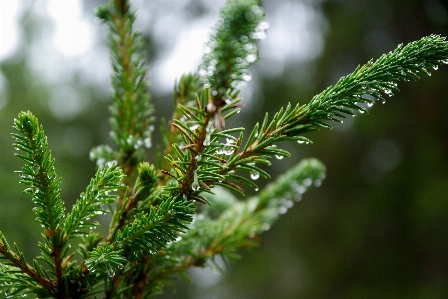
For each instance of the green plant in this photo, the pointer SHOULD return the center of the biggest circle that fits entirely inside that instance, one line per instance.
(180, 213)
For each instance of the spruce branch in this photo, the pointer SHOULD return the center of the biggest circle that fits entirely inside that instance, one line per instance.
(90, 205)
(131, 111)
(156, 230)
(184, 93)
(14, 282)
(153, 230)
(345, 98)
(20, 277)
(38, 172)
(143, 189)
(231, 50)
(374, 79)
(105, 259)
(230, 224)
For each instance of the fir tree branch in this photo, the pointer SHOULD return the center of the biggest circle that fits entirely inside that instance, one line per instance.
(373, 79)
(230, 224)
(38, 172)
(184, 93)
(144, 187)
(131, 111)
(22, 281)
(13, 282)
(91, 203)
(229, 53)
(105, 259)
(153, 230)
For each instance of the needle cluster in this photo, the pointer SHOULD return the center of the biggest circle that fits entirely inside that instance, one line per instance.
(187, 208)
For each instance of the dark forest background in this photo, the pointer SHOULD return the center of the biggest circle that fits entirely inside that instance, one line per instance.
(378, 225)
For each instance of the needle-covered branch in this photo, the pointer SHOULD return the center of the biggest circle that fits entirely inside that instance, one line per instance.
(101, 191)
(156, 230)
(38, 172)
(131, 112)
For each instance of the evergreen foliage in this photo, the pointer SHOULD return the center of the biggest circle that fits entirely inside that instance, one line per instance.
(183, 212)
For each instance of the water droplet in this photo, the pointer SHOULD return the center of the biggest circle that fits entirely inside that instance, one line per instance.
(246, 76)
(256, 189)
(228, 150)
(361, 111)
(110, 272)
(251, 58)
(206, 141)
(263, 25)
(317, 183)
(147, 142)
(207, 49)
(265, 226)
(254, 175)
(259, 35)
(388, 92)
(279, 157)
(283, 210)
(195, 186)
(300, 189)
(248, 47)
(307, 182)
(288, 204)
(370, 104)
(244, 38)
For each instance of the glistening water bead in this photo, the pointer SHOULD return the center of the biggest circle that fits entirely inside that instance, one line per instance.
(254, 175)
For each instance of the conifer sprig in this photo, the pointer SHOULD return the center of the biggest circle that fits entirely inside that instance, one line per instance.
(105, 259)
(131, 111)
(20, 277)
(101, 191)
(38, 172)
(153, 230)
(345, 98)
(232, 48)
(14, 282)
(156, 230)
(229, 224)
(374, 79)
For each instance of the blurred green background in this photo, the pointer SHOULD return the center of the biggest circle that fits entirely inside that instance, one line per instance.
(378, 225)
